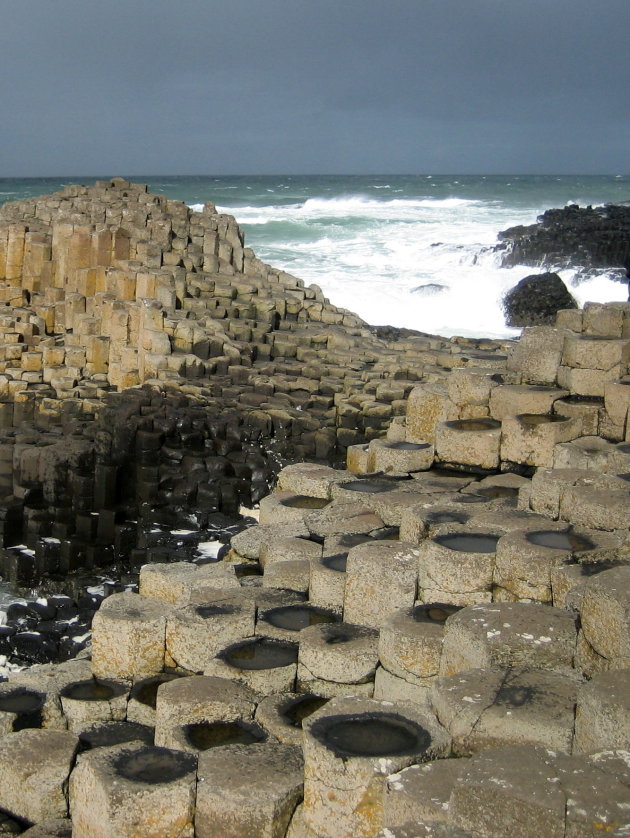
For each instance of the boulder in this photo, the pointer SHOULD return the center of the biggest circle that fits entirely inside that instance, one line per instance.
(536, 299)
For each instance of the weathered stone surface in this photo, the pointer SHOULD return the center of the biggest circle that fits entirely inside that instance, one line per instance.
(34, 770)
(129, 636)
(133, 790)
(345, 773)
(248, 791)
(602, 719)
(509, 634)
(485, 708)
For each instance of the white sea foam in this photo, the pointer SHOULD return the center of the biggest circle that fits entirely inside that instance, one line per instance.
(422, 263)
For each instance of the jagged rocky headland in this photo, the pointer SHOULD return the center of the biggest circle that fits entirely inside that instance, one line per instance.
(425, 634)
(588, 237)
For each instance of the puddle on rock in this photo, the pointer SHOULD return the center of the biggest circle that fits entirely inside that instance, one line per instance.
(298, 617)
(534, 419)
(473, 424)
(559, 540)
(370, 735)
(407, 446)
(369, 487)
(471, 499)
(27, 706)
(154, 765)
(494, 492)
(208, 611)
(206, 735)
(465, 542)
(304, 502)
(93, 690)
(447, 517)
(260, 653)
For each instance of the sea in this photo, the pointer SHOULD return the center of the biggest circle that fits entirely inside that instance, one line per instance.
(413, 251)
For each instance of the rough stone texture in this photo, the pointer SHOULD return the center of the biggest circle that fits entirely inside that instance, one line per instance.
(342, 790)
(421, 792)
(249, 791)
(509, 634)
(34, 770)
(536, 299)
(486, 708)
(104, 803)
(129, 636)
(199, 698)
(381, 577)
(605, 615)
(602, 719)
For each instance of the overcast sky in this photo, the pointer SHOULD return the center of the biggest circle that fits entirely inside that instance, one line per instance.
(314, 86)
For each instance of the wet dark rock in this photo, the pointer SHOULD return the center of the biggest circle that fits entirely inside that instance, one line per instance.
(536, 300)
(589, 237)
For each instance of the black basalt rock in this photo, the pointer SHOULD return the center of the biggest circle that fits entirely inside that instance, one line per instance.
(588, 237)
(536, 300)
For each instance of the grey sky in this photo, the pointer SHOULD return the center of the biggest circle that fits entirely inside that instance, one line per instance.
(314, 86)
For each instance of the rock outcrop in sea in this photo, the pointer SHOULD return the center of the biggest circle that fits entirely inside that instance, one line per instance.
(586, 237)
(425, 634)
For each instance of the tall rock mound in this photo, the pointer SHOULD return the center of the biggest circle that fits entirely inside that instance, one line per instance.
(152, 368)
(536, 300)
(588, 237)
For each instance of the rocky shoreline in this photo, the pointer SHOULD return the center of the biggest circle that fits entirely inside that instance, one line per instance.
(425, 634)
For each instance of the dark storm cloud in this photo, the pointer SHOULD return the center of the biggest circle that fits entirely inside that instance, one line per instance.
(200, 86)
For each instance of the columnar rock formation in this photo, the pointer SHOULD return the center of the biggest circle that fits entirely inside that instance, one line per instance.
(431, 641)
(242, 368)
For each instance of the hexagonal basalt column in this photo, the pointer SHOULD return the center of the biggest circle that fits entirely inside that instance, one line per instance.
(507, 789)
(399, 456)
(265, 664)
(283, 506)
(310, 479)
(248, 791)
(605, 615)
(510, 399)
(350, 746)
(471, 442)
(457, 566)
(199, 700)
(381, 577)
(283, 715)
(196, 633)
(486, 708)
(85, 702)
(287, 621)
(529, 438)
(525, 560)
(174, 582)
(509, 634)
(410, 642)
(34, 770)
(602, 718)
(128, 636)
(334, 657)
(133, 791)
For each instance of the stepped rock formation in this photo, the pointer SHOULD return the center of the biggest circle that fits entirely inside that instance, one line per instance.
(234, 368)
(431, 641)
